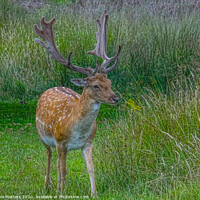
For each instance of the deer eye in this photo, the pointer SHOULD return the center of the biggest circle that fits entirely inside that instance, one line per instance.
(96, 87)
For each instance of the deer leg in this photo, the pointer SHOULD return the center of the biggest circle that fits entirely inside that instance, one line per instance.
(62, 170)
(47, 177)
(87, 155)
(59, 176)
(47, 183)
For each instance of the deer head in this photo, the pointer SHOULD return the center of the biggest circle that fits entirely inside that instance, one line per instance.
(98, 87)
(96, 84)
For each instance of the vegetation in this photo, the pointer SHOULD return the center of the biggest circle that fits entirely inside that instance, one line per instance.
(148, 147)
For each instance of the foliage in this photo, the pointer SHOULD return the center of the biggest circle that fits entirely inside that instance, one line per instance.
(158, 49)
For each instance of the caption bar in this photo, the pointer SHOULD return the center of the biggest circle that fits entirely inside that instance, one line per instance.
(42, 197)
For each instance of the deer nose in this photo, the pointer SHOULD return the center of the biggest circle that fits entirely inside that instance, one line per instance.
(115, 98)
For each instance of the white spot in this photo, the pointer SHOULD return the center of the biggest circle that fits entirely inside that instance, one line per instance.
(40, 121)
(96, 106)
(59, 118)
(64, 117)
(65, 93)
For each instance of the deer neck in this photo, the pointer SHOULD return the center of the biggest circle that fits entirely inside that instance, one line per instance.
(87, 105)
(87, 109)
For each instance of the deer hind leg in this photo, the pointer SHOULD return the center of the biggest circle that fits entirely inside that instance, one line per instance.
(62, 169)
(49, 155)
(48, 178)
(87, 155)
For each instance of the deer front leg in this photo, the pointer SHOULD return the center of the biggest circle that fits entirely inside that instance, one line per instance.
(87, 155)
(59, 176)
(62, 170)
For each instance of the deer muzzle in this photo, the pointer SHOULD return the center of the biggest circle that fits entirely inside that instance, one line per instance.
(115, 99)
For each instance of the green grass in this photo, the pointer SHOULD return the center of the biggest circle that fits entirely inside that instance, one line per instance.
(152, 153)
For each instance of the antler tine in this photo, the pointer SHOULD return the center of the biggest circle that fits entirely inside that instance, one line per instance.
(106, 63)
(97, 67)
(101, 45)
(105, 71)
(47, 34)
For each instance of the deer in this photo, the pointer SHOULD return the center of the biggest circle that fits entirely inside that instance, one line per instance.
(65, 119)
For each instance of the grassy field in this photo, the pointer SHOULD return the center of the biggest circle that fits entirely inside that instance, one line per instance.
(147, 147)
(150, 153)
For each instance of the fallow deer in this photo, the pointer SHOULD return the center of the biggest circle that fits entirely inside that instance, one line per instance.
(65, 119)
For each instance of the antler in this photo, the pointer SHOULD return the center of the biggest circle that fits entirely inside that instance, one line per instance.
(47, 34)
(101, 46)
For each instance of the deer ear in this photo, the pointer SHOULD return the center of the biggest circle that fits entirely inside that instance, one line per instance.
(79, 82)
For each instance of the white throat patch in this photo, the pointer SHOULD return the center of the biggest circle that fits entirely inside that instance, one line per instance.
(96, 106)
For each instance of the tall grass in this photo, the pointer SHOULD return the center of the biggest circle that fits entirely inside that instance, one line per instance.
(157, 146)
(158, 49)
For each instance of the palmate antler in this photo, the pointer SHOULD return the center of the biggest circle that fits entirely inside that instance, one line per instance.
(101, 46)
(47, 34)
